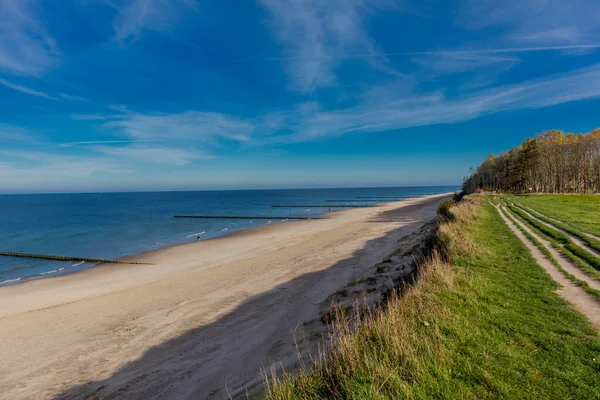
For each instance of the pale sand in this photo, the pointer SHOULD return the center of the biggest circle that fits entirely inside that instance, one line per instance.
(207, 316)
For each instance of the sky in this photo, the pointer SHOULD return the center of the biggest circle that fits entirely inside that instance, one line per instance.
(109, 95)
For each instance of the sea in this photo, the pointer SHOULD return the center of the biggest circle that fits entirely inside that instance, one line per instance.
(113, 225)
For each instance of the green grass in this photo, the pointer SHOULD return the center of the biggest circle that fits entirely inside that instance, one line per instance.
(561, 241)
(546, 230)
(581, 212)
(486, 323)
(572, 257)
(591, 242)
(554, 261)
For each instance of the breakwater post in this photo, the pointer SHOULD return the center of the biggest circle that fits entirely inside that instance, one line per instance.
(323, 206)
(66, 258)
(238, 217)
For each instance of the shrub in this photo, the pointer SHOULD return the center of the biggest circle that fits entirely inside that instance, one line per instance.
(444, 209)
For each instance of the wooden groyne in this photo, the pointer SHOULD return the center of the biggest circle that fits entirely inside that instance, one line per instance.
(66, 258)
(383, 197)
(321, 206)
(347, 200)
(238, 217)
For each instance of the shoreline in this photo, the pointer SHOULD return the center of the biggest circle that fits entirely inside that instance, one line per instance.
(150, 257)
(64, 271)
(183, 324)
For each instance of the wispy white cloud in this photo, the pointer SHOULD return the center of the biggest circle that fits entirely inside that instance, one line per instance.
(39, 93)
(445, 63)
(58, 169)
(509, 50)
(188, 125)
(26, 47)
(388, 109)
(317, 34)
(157, 15)
(26, 90)
(89, 117)
(70, 97)
(10, 133)
(45, 165)
(538, 22)
(94, 142)
(154, 155)
(435, 108)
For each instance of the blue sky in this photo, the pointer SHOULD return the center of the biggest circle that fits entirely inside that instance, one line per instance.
(99, 95)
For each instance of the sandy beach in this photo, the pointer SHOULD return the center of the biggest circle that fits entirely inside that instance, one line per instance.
(201, 321)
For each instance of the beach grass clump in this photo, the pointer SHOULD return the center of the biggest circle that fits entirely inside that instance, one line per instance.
(444, 209)
(482, 320)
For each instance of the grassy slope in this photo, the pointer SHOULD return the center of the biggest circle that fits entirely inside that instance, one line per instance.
(489, 325)
(580, 211)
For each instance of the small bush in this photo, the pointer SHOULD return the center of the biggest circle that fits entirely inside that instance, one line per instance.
(444, 209)
(458, 196)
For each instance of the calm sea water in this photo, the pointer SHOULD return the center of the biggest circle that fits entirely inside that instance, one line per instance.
(112, 225)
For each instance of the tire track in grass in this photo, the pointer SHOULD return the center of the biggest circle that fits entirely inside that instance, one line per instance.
(563, 260)
(574, 238)
(515, 220)
(558, 241)
(577, 296)
(580, 269)
(548, 218)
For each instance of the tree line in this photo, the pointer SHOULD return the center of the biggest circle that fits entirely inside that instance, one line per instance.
(553, 162)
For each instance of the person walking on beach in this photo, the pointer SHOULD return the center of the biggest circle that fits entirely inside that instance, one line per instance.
(199, 239)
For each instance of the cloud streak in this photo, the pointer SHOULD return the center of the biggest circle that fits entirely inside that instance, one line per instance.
(153, 15)
(435, 108)
(154, 155)
(185, 126)
(465, 52)
(316, 34)
(25, 90)
(538, 22)
(26, 48)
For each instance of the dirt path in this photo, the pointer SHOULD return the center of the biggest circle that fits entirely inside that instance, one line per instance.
(573, 238)
(572, 293)
(564, 262)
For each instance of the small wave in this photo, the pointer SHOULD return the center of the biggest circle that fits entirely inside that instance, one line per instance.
(196, 234)
(48, 272)
(6, 282)
(76, 265)
(223, 230)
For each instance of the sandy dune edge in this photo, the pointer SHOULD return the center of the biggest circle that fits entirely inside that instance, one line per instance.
(206, 316)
